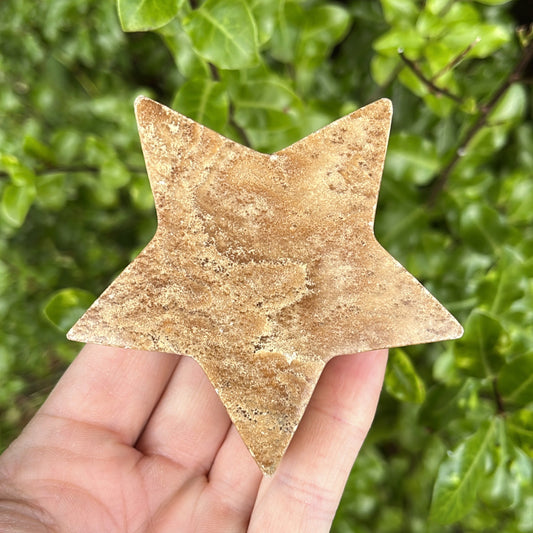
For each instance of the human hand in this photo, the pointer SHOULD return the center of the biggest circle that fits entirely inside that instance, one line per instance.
(132, 441)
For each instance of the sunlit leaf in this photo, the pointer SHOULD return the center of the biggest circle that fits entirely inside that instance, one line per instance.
(483, 228)
(515, 380)
(412, 158)
(401, 379)
(16, 202)
(143, 15)
(460, 476)
(477, 352)
(224, 32)
(205, 101)
(66, 306)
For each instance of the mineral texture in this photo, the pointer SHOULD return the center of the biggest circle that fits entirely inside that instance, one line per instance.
(263, 267)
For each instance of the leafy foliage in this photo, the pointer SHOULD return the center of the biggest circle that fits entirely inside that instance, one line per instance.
(452, 445)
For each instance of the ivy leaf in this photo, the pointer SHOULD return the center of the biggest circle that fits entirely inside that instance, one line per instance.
(224, 32)
(515, 381)
(66, 306)
(477, 352)
(143, 15)
(16, 202)
(460, 476)
(205, 101)
(401, 379)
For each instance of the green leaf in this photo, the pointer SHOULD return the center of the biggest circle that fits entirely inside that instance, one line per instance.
(501, 488)
(407, 39)
(493, 2)
(38, 150)
(505, 283)
(265, 13)
(144, 15)
(141, 193)
(412, 158)
(460, 477)
(189, 63)
(66, 306)
(401, 379)
(488, 38)
(323, 27)
(224, 32)
(266, 106)
(482, 228)
(445, 404)
(51, 190)
(20, 175)
(515, 381)
(16, 202)
(477, 353)
(511, 107)
(114, 174)
(520, 427)
(205, 101)
(399, 11)
(284, 42)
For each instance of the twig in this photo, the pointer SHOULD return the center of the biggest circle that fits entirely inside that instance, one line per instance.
(439, 91)
(215, 75)
(452, 64)
(515, 76)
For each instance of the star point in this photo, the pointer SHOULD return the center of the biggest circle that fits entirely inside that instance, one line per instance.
(263, 267)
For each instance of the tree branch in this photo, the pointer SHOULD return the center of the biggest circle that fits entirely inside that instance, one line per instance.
(515, 76)
(439, 91)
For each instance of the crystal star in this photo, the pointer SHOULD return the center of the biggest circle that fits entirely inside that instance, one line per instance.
(264, 267)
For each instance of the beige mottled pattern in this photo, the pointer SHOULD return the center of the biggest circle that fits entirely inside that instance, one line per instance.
(264, 267)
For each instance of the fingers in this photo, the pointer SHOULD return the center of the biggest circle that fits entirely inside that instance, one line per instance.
(189, 424)
(309, 482)
(111, 388)
(235, 477)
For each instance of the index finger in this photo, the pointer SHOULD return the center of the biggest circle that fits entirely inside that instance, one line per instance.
(112, 388)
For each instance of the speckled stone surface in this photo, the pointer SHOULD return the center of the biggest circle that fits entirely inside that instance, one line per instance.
(264, 267)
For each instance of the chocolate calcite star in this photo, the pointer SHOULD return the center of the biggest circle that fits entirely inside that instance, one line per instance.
(264, 267)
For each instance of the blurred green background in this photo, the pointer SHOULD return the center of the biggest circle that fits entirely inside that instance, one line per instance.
(451, 449)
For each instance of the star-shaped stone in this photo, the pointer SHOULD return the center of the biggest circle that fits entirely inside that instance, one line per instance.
(264, 267)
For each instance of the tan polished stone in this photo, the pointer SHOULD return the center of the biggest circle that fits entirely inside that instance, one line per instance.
(264, 267)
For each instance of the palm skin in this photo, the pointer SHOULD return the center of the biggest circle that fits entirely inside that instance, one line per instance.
(132, 441)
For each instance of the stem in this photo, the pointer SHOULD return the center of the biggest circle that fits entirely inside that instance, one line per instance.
(497, 397)
(515, 76)
(215, 75)
(455, 61)
(439, 91)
